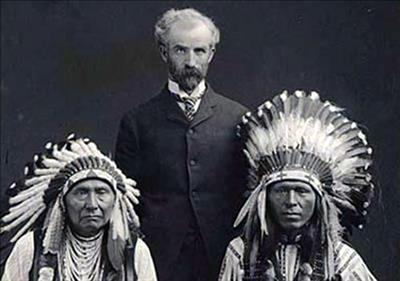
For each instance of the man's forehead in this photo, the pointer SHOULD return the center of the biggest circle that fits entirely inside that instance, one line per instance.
(91, 183)
(189, 30)
(290, 184)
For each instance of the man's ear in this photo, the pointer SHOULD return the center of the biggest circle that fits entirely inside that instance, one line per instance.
(163, 52)
(211, 54)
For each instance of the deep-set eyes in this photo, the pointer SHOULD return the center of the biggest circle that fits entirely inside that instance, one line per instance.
(297, 190)
(81, 192)
(101, 191)
(200, 51)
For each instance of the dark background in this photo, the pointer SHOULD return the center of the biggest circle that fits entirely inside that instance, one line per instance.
(78, 66)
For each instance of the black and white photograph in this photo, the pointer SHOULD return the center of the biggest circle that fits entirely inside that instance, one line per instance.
(200, 141)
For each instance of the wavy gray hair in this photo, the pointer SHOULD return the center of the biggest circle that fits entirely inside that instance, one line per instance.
(171, 16)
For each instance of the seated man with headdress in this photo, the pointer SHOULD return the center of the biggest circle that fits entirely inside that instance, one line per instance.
(310, 181)
(73, 219)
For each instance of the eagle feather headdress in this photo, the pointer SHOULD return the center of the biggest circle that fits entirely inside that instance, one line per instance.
(300, 137)
(36, 201)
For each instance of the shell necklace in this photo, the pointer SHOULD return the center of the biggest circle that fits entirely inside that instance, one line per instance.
(82, 257)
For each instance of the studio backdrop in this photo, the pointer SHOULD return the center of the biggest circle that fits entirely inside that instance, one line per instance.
(79, 66)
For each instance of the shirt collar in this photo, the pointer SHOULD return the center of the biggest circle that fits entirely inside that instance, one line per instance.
(197, 92)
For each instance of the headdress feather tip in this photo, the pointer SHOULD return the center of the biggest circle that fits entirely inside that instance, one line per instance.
(46, 178)
(300, 131)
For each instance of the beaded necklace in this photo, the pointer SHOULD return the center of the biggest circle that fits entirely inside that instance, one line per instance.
(82, 257)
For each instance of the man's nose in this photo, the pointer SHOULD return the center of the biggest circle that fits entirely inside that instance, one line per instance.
(91, 201)
(190, 59)
(291, 199)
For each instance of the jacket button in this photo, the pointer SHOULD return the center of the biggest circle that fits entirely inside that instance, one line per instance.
(192, 162)
(191, 131)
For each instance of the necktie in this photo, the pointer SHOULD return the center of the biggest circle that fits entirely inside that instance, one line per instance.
(189, 103)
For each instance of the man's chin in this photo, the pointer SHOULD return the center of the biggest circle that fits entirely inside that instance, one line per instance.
(293, 226)
(90, 229)
(92, 222)
(188, 85)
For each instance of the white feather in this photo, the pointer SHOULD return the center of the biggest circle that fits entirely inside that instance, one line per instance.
(28, 224)
(247, 206)
(28, 193)
(37, 180)
(20, 210)
(261, 207)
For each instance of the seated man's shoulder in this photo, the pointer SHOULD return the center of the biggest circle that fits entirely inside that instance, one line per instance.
(24, 242)
(350, 264)
(142, 246)
(143, 262)
(236, 247)
(344, 248)
(19, 262)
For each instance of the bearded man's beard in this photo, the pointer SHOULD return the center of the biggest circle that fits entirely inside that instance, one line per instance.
(187, 78)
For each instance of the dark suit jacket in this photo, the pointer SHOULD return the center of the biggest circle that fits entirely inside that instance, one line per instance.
(184, 170)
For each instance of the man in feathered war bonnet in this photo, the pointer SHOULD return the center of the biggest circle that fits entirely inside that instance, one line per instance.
(308, 173)
(73, 219)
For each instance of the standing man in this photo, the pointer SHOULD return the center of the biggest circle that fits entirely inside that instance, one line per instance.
(182, 149)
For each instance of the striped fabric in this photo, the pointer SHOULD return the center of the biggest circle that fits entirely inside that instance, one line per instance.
(349, 265)
(190, 105)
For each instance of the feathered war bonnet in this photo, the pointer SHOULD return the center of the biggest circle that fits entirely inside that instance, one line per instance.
(299, 137)
(36, 200)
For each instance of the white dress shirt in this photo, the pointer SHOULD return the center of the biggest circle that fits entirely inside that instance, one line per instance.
(173, 87)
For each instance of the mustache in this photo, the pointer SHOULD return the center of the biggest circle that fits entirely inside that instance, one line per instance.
(191, 72)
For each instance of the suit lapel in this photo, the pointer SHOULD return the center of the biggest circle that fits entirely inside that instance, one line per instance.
(207, 107)
(173, 111)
